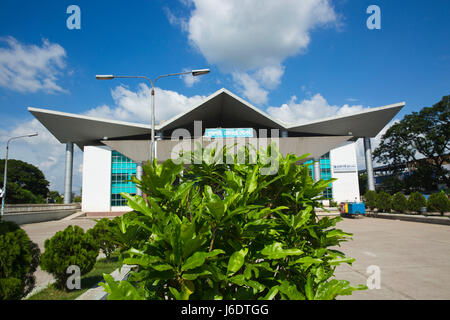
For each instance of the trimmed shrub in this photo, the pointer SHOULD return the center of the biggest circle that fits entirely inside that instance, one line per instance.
(69, 247)
(399, 202)
(383, 201)
(334, 204)
(438, 202)
(371, 199)
(416, 201)
(19, 259)
(104, 233)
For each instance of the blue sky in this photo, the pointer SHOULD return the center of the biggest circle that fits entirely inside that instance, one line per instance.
(296, 60)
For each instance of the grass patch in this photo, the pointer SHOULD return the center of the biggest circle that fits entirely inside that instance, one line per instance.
(87, 282)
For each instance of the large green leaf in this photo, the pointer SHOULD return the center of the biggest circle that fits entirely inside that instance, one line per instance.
(199, 258)
(290, 290)
(276, 251)
(119, 291)
(236, 261)
(137, 203)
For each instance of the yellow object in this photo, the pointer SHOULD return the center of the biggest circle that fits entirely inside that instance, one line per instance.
(346, 208)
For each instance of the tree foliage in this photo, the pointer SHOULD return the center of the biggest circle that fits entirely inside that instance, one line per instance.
(19, 259)
(419, 134)
(25, 182)
(226, 231)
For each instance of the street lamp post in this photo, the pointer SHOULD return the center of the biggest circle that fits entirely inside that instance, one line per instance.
(153, 83)
(3, 192)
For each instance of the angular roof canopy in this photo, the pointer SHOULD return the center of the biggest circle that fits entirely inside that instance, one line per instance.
(221, 109)
(367, 123)
(84, 130)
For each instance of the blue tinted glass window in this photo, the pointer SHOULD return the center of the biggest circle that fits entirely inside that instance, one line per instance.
(122, 168)
(325, 172)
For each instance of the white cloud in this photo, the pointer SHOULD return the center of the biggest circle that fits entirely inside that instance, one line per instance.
(314, 108)
(250, 88)
(270, 76)
(135, 106)
(254, 34)
(253, 37)
(188, 79)
(30, 68)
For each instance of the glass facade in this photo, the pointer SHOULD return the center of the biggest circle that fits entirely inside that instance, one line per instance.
(122, 168)
(325, 173)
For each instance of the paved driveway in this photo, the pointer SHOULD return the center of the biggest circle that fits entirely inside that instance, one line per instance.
(413, 258)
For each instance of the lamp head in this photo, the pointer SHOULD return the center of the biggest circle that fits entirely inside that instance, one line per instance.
(104, 77)
(199, 72)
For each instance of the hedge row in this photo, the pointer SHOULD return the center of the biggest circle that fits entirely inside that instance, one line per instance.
(384, 202)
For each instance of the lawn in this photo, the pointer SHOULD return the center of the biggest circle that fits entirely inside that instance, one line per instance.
(87, 282)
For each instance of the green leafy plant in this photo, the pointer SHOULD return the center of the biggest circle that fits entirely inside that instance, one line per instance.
(371, 199)
(438, 202)
(19, 259)
(72, 246)
(383, 201)
(399, 202)
(227, 231)
(416, 201)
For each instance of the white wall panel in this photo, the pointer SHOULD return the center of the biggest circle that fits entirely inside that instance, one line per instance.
(96, 179)
(346, 188)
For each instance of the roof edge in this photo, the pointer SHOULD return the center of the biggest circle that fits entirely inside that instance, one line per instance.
(84, 117)
(390, 106)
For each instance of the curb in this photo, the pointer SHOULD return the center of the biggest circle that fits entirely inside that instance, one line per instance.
(73, 216)
(411, 218)
(99, 293)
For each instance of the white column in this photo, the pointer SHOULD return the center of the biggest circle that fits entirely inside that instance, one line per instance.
(369, 165)
(68, 174)
(139, 172)
(316, 169)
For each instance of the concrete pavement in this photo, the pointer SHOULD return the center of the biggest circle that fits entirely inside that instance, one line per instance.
(413, 258)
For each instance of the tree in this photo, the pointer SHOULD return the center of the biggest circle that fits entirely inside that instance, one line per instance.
(54, 197)
(425, 133)
(25, 182)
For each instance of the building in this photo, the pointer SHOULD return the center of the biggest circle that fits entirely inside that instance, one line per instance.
(114, 150)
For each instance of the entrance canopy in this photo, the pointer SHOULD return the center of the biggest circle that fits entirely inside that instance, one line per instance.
(222, 109)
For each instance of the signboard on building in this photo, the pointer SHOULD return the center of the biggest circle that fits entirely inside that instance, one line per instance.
(344, 168)
(229, 133)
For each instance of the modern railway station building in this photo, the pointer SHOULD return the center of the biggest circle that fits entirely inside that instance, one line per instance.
(114, 150)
